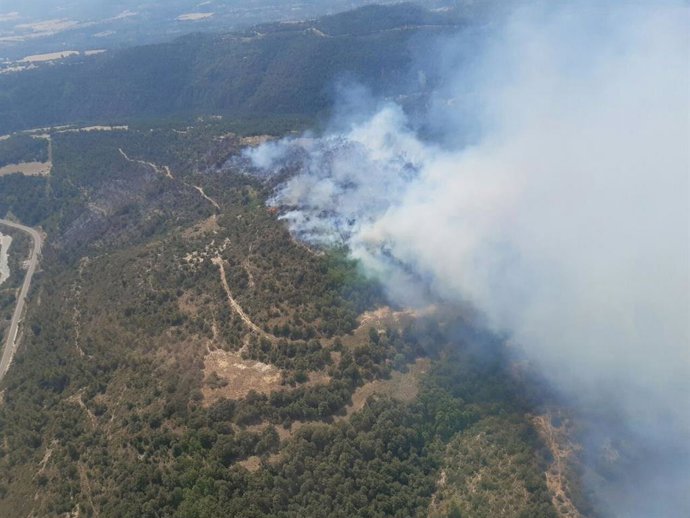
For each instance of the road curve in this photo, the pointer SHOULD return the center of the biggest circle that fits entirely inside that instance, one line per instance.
(11, 341)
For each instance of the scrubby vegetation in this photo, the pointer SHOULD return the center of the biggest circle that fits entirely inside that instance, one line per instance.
(287, 69)
(23, 148)
(105, 409)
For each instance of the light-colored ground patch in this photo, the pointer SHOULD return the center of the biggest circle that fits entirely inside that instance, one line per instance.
(5, 243)
(45, 132)
(235, 306)
(52, 56)
(192, 17)
(164, 170)
(562, 450)
(228, 375)
(256, 140)
(210, 251)
(318, 378)
(283, 433)
(94, 128)
(251, 464)
(318, 33)
(77, 399)
(18, 68)
(204, 196)
(46, 457)
(207, 226)
(28, 169)
(85, 485)
(49, 25)
(385, 316)
(187, 304)
(32, 168)
(403, 386)
(241, 376)
(382, 318)
(124, 14)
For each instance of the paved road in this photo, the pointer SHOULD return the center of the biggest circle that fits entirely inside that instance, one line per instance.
(11, 342)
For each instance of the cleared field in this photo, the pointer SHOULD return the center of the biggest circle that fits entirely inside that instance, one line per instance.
(403, 386)
(94, 128)
(28, 169)
(228, 375)
(52, 56)
(29, 163)
(191, 17)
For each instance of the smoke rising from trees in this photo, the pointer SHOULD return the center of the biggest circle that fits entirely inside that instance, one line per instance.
(565, 222)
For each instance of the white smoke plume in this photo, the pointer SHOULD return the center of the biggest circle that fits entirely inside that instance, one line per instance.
(566, 222)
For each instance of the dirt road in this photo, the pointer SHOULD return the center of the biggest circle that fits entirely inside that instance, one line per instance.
(11, 341)
(235, 305)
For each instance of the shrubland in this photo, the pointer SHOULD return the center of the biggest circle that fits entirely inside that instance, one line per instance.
(104, 410)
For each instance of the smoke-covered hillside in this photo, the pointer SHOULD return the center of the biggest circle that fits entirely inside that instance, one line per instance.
(563, 223)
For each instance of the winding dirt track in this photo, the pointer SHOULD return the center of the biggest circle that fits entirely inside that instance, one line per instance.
(236, 306)
(11, 341)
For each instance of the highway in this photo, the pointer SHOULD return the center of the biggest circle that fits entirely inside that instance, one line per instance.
(11, 343)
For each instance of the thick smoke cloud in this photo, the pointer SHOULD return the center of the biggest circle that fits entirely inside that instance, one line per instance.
(566, 222)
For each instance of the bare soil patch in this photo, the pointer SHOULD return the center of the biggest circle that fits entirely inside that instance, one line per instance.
(251, 464)
(203, 194)
(562, 449)
(382, 318)
(235, 306)
(187, 304)
(192, 17)
(89, 129)
(256, 140)
(52, 56)
(163, 170)
(242, 376)
(28, 169)
(207, 226)
(400, 386)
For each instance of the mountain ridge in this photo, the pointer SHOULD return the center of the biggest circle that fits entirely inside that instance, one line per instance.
(278, 69)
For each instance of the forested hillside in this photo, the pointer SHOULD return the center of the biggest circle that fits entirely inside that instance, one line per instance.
(184, 356)
(276, 69)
